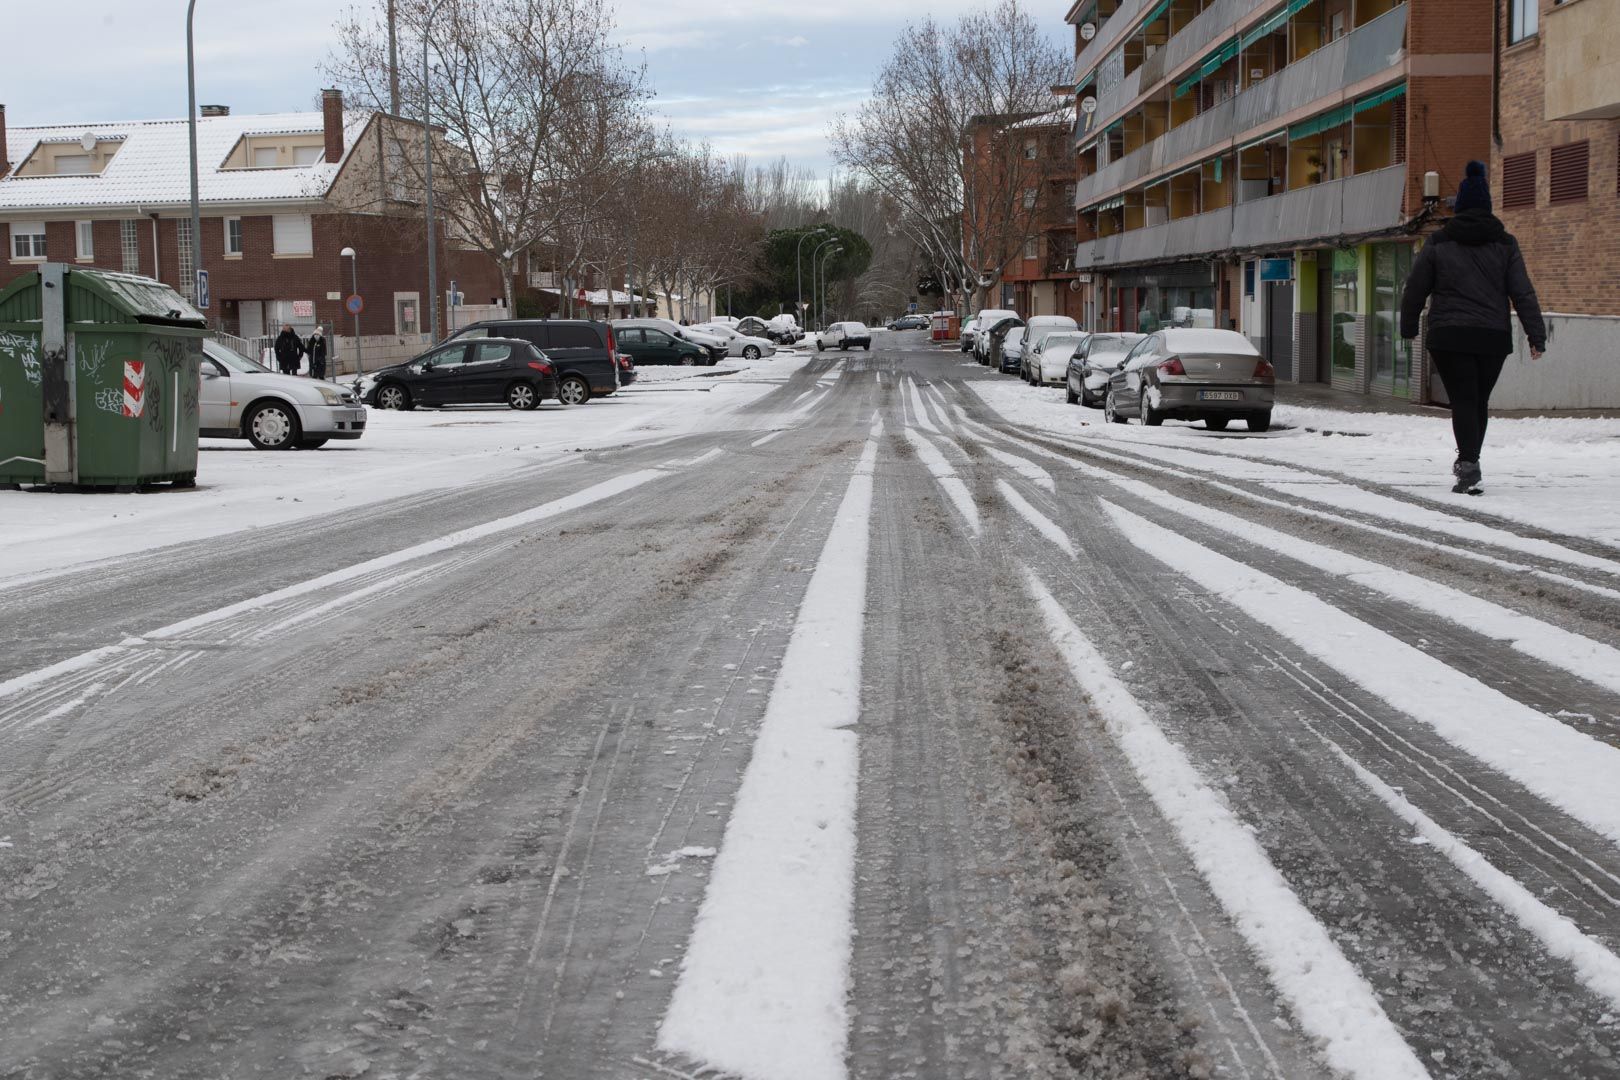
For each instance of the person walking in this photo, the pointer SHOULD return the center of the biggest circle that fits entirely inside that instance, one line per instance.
(315, 348)
(289, 350)
(1469, 273)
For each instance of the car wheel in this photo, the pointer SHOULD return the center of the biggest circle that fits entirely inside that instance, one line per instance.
(820, 347)
(522, 396)
(1260, 422)
(751, 352)
(867, 346)
(1151, 416)
(574, 390)
(393, 396)
(314, 444)
(1217, 423)
(688, 360)
(1111, 410)
(1070, 396)
(273, 426)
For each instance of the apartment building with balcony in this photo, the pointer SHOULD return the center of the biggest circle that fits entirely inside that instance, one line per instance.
(1258, 164)
(1041, 278)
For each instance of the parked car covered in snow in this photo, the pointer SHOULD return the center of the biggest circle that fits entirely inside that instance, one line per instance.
(845, 335)
(1210, 375)
(242, 399)
(1039, 327)
(1092, 363)
(988, 342)
(973, 340)
(1047, 361)
(1012, 350)
(739, 344)
(469, 371)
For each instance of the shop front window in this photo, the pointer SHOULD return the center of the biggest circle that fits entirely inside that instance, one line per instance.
(1392, 361)
(1346, 304)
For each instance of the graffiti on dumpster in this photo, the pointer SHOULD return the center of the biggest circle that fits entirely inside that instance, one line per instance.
(24, 348)
(110, 399)
(92, 360)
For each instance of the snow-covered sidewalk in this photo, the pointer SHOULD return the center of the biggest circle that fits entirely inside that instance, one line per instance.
(1561, 474)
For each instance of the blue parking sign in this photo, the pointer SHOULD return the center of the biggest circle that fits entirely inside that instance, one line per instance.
(202, 290)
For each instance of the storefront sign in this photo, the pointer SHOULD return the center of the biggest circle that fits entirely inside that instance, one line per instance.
(303, 309)
(1276, 269)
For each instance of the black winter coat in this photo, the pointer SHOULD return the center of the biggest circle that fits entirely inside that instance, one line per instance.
(289, 348)
(316, 348)
(1469, 272)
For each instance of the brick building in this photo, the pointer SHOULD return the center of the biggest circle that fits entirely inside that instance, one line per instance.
(1258, 165)
(1555, 175)
(281, 196)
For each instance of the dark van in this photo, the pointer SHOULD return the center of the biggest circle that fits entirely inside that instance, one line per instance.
(582, 350)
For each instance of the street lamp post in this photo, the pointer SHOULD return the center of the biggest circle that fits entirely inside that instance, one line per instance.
(798, 264)
(822, 314)
(354, 290)
(427, 172)
(815, 253)
(191, 123)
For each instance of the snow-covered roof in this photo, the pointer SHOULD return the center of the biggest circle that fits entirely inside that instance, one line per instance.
(152, 167)
(599, 297)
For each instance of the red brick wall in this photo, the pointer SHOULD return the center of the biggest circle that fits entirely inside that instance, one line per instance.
(1448, 124)
(1572, 250)
(392, 258)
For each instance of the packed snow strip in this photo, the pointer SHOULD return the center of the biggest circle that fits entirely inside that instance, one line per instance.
(919, 411)
(954, 488)
(607, 489)
(1332, 1001)
(1022, 466)
(763, 986)
(1595, 965)
(1043, 524)
(1580, 656)
(1564, 767)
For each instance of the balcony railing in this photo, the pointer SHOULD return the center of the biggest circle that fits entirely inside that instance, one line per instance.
(1321, 76)
(1355, 205)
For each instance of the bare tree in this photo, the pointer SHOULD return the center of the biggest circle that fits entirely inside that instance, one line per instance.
(933, 138)
(529, 94)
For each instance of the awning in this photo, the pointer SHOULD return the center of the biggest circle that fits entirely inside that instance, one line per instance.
(1316, 124)
(1380, 98)
(1271, 25)
(1208, 67)
(1156, 13)
(1110, 204)
(1091, 77)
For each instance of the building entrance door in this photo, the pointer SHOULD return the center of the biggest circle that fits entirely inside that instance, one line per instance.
(252, 315)
(1280, 328)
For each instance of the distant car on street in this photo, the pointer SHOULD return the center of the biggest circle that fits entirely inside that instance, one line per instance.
(910, 322)
(242, 399)
(716, 346)
(1093, 363)
(652, 345)
(469, 371)
(746, 346)
(1210, 375)
(1047, 360)
(843, 336)
(581, 350)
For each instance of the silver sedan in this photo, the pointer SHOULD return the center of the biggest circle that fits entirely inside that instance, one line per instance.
(1210, 375)
(242, 399)
(1093, 363)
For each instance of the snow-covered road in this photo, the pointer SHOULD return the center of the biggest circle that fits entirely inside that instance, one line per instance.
(841, 716)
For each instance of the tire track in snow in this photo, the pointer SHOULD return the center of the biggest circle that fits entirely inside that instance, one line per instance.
(947, 478)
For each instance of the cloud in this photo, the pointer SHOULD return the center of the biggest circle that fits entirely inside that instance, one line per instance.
(797, 41)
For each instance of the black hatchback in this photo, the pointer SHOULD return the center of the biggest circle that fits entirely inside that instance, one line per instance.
(464, 372)
(583, 351)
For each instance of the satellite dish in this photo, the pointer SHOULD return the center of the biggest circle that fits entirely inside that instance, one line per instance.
(1088, 31)
(1088, 104)
(87, 141)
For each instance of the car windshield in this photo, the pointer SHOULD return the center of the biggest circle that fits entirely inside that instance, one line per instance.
(1111, 347)
(232, 359)
(1058, 341)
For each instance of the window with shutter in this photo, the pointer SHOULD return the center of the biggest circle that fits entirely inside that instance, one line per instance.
(292, 234)
(1568, 174)
(1519, 181)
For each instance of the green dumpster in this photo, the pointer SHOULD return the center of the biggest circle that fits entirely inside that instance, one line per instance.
(98, 380)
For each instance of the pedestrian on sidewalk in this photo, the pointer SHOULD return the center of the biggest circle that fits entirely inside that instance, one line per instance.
(315, 347)
(289, 350)
(1469, 273)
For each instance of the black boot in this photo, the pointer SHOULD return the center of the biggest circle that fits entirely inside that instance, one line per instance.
(1467, 474)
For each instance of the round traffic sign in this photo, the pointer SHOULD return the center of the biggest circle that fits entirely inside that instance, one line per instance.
(356, 304)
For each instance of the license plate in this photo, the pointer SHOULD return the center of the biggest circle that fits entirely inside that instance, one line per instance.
(1220, 395)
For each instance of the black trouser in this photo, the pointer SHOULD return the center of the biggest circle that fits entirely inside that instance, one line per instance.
(1469, 379)
(317, 368)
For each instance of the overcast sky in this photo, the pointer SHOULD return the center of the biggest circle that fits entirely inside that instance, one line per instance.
(760, 78)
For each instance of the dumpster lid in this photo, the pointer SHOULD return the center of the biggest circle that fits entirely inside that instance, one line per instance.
(148, 300)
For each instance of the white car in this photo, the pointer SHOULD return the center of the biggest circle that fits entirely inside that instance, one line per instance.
(743, 345)
(1047, 363)
(242, 399)
(1041, 325)
(845, 335)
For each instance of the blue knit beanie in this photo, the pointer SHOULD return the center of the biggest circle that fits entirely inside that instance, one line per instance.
(1474, 193)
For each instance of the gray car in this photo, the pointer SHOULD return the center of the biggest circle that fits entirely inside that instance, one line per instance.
(1211, 375)
(1094, 360)
(242, 399)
